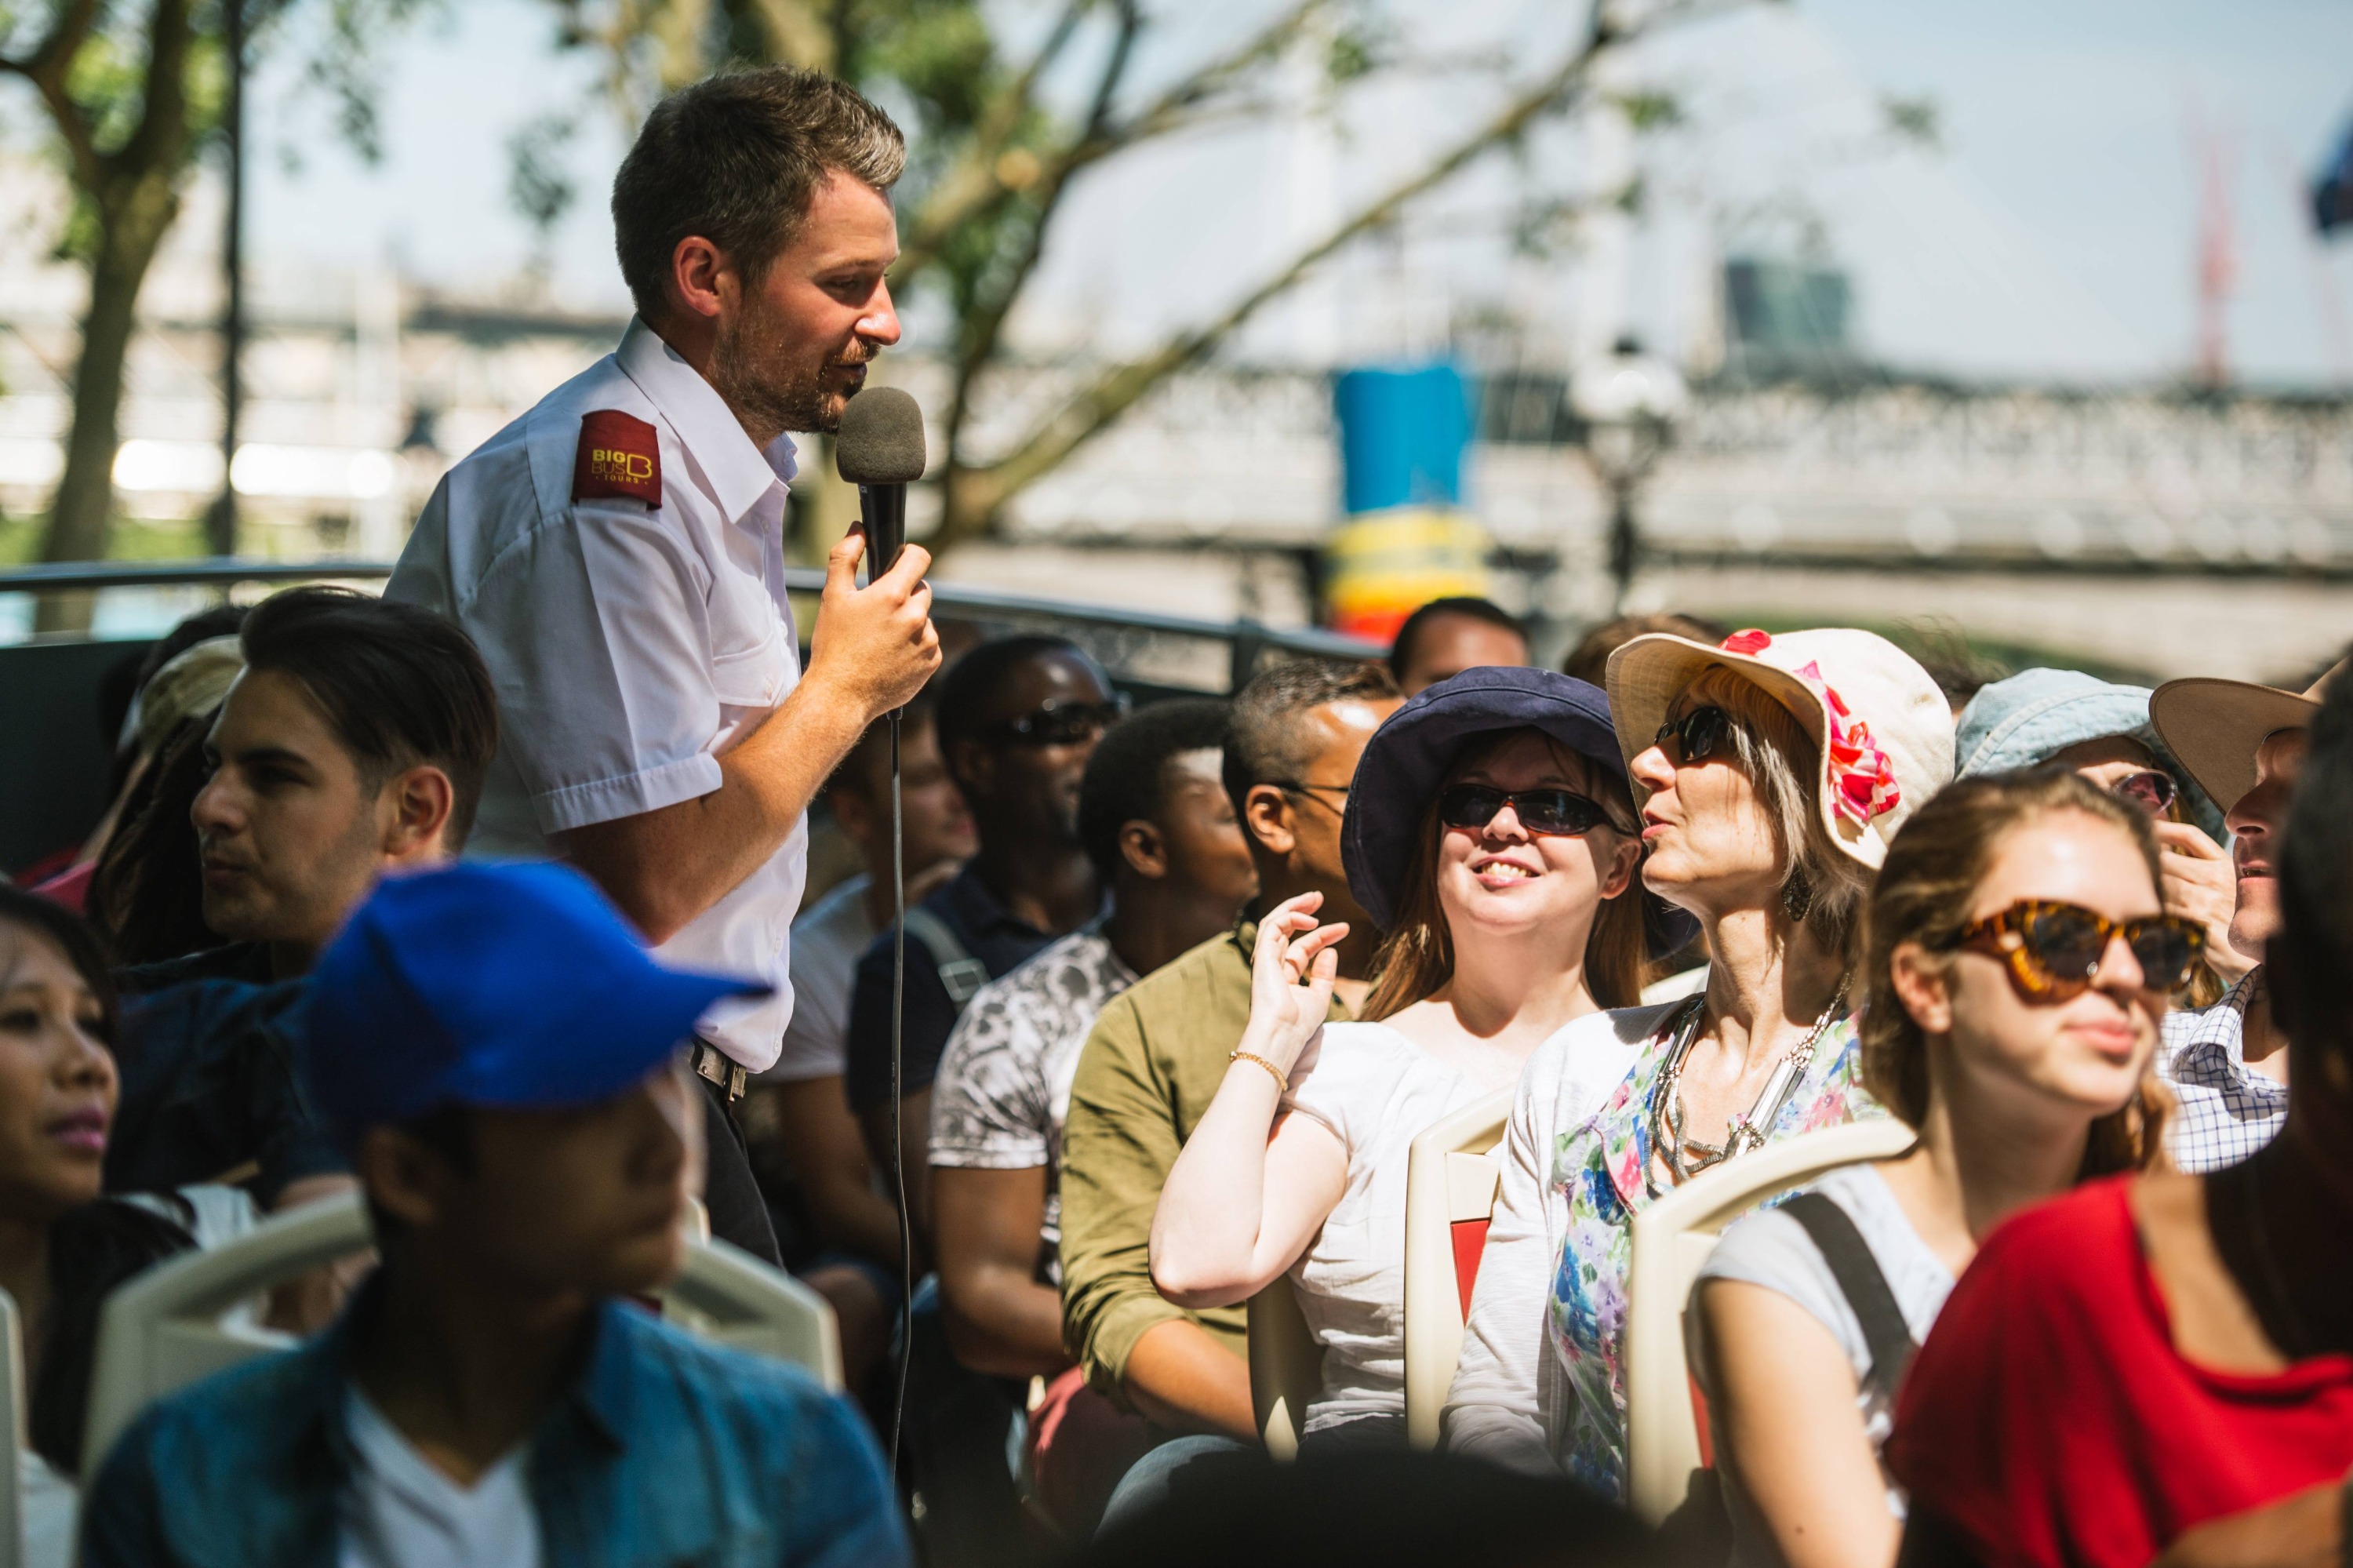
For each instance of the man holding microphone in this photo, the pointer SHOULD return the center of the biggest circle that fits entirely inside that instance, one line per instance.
(618, 555)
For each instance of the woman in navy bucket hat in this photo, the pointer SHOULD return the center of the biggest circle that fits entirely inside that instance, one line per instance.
(1491, 829)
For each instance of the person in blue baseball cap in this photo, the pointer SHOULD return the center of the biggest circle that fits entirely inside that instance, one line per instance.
(504, 1061)
(1491, 832)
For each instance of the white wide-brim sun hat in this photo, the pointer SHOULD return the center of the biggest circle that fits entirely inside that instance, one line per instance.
(1881, 726)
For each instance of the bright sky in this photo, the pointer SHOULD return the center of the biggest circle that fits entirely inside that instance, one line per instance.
(2051, 236)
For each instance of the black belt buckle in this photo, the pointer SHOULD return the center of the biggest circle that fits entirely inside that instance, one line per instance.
(712, 1063)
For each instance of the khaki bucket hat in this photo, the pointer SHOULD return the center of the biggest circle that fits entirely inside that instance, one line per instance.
(1882, 726)
(2215, 728)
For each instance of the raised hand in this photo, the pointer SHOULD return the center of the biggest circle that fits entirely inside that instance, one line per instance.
(1292, 972)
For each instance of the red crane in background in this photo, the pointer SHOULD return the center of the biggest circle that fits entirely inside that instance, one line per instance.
(2217, 250)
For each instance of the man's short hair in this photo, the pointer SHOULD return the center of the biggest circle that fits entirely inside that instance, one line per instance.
(402, 685)
(968, 692)
(736, 159)
(1128, 776)
(1263, 742)
(1493, 614)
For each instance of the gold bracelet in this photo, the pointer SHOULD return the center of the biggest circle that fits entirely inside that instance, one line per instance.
(1282, 1084)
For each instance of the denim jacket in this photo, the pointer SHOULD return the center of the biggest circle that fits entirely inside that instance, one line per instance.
(668, 1451)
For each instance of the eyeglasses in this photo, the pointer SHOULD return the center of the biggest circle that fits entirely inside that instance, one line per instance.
(1550, 813)
(2152, 790)
(1698, 735)
(1062, 724)
(2054, 948)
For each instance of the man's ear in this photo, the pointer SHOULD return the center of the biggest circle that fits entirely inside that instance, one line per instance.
(421, 801)
(1266, 817)
(972, 765)
(702, 281)
(856, 815)
(404, 1178)
(1924, 985)
(1143, 849)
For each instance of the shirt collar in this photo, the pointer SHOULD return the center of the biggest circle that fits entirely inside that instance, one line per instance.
(600, 1397)
(740, 473)
(2220, 1030)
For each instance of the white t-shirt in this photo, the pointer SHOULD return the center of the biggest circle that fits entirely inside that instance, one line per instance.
(400, 1511)
(1377, 1091)
(1772, 1249)
(828, 940)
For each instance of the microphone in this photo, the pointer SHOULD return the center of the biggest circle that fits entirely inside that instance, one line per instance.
(879, 450)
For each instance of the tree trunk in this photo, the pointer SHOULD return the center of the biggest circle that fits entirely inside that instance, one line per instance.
(130, 229)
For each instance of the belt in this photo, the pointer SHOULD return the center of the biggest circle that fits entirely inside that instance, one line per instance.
(712, 1063)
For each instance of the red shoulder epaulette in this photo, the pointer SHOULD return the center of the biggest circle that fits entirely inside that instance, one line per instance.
(619, 456)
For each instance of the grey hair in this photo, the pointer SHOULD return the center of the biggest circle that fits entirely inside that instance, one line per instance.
(1773, 749)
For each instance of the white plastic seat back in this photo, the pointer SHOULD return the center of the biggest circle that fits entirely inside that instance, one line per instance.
(1453, 1173)
(165, 1329)
(1286, 1368)
(1672, 1240)
(12, 1439)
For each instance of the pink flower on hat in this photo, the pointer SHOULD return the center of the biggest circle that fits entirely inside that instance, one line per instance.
(1862, 776)
(1749, 641)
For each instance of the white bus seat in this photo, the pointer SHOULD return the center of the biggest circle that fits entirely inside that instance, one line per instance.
(1453, 1172)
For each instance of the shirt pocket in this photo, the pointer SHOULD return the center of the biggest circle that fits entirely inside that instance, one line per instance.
(750, 674)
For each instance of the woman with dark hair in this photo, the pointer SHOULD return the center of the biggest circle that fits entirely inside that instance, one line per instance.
(2018, 965)
(1489, 829)
(62, 1248)
(1771, 772)
(147, 892)
(2159, 1367)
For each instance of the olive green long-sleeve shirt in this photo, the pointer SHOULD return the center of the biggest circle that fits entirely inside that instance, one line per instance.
(1145, 1078)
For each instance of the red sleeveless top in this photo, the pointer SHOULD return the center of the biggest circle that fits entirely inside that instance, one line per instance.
(2049, 1418)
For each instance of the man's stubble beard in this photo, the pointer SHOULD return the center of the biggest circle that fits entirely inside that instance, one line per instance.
(754, 369)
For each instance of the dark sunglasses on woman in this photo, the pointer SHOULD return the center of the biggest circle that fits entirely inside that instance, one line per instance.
(2149, 789)
(1698, 735)
(1547, 813)
(2055, 949)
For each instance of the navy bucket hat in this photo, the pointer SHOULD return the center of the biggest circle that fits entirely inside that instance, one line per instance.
(1411, 754)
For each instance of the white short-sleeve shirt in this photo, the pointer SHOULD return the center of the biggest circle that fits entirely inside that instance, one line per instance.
(630, 643)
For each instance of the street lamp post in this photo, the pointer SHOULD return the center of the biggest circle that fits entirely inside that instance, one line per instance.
(1629, 402)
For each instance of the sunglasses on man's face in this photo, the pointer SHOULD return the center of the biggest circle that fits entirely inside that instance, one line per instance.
(2151, 790)
(1698, 735)
(1062, 724)
(2055, 949)
(1547, 813)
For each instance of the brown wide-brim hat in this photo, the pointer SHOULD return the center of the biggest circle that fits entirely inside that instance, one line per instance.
(1880, 723)
(2215, 728)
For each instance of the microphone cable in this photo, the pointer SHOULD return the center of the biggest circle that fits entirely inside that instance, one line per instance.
(898, 1151)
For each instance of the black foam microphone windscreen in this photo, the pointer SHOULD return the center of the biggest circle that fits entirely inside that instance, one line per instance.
(882, 439)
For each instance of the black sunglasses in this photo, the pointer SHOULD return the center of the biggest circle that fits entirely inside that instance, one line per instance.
(1698, 735)
(1551, 813)
(2055, 949)
(1062, 724)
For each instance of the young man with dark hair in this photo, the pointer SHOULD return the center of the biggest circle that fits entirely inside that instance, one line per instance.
(617, 554)
(1448, 636)
(1159, 1049)
(354, 743)
(1156, 820)
(1017, 719)
(501, 1060)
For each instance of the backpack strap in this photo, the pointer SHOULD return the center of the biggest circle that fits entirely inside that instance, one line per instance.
(963, 974)
(1861, 1281)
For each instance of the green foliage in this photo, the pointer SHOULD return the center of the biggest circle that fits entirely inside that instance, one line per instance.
(1651, 110)
(1916, 119)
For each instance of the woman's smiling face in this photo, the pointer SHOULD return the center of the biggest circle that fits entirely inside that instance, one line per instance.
(1501, 879)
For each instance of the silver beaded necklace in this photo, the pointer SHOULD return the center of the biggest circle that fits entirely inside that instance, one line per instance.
(1685, 1158)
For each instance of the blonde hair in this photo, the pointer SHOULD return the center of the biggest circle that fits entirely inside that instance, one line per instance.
(1924, 896)
(1780, 758)
(1418, 958)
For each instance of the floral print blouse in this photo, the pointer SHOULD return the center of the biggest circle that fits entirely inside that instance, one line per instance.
(1598, 1173)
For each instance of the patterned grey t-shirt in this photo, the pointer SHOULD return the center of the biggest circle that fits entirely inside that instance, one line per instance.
(1004, 1084)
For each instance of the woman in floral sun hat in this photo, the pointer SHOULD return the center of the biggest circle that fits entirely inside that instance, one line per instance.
(1771, 772)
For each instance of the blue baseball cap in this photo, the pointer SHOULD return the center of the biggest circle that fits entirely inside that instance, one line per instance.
(2035, 715)
(1410, 754)
(509, 986)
